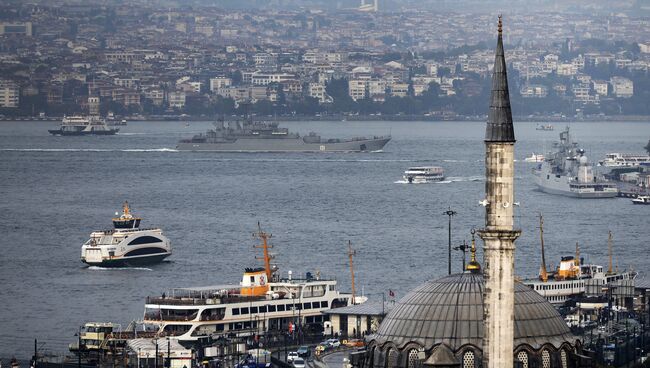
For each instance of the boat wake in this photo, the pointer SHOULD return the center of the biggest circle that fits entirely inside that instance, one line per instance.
(89, 150)
(97, 268)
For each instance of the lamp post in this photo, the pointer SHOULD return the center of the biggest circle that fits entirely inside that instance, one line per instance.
(449, 213)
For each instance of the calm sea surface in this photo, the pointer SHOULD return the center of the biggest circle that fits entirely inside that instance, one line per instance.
(55, 190)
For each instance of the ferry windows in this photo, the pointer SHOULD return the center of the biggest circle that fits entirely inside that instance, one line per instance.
(307, 306)
(254, 310)
(145, 240)
(235, 311)
(323, 304)
(145, 251)
(271, 308)
(315, 305)
(243, 310)
(262, 308)
(331, 287)
(280, 307)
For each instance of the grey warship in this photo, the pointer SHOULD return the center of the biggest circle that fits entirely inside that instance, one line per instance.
(259, 136)
(568, 172)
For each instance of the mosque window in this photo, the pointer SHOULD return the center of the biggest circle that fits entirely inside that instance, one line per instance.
(391, 362)
(563, 358)
(413, 358)
(522, 357)
(546, 359)
(468, 359)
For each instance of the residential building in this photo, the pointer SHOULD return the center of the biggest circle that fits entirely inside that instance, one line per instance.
(601, 87)
(176, 99)
(219, 82)
(9, 94)
(622, 87)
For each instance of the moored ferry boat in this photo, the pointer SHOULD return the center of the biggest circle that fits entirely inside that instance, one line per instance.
(545, 127)
(83, 125)
(125, 245)
(424, 174)
(265, 300)
(625, 160)
(572, 278)
(534, 158)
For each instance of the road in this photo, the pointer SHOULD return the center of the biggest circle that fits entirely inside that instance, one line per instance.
(335, 360)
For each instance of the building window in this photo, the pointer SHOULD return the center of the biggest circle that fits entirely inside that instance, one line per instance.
(391, 362)
(468, 359)
(563, 358)
(413, 358)
(546, 359)
(522, 357)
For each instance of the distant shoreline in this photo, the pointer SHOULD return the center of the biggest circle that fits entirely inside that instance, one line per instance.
(539, 119)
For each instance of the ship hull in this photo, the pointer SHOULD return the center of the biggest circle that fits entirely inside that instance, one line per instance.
(560, 187)
(130, 261)
(78, 133)
(285, 145)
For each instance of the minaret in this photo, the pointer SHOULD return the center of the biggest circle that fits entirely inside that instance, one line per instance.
(499, 235)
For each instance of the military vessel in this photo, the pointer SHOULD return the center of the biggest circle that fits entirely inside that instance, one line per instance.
(259, 136)
(568, 172)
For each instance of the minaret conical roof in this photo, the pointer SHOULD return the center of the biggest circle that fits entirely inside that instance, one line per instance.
(499, 125)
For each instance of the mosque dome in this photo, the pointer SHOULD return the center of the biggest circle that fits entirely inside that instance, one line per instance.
(444, 319)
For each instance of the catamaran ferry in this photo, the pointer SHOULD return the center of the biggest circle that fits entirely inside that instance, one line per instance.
(265, 300)
(126, 245)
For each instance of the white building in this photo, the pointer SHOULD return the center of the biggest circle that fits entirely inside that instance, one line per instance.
(567, 69)
(264, 79)
(622, 87)
(432, 69)
(534, 91)
(357, 88)
(176, 99)
(319, 91)
(9, 94)
(219, 82)
(601, 87)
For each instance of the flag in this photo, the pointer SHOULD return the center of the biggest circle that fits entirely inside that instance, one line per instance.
(391, 293)
(290, 327)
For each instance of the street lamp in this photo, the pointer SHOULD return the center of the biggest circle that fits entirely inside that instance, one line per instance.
(450, 213)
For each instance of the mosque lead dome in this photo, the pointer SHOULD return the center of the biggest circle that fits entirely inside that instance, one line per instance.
(445, 318)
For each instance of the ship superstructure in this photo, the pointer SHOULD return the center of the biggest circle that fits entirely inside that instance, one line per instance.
(265, 300)
(568, 172)
(625, 160)
(83, 125)
(257, 136)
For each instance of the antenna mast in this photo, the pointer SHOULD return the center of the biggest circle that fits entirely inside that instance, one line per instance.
(543, 275)
(609, 245)
(351, 253)
(265, 246)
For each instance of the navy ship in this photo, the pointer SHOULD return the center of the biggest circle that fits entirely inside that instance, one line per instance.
(568, 172)
(257, 136)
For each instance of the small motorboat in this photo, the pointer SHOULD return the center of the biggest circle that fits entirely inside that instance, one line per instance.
(642, 199)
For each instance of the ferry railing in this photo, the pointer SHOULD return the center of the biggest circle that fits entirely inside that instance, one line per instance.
(202, 301)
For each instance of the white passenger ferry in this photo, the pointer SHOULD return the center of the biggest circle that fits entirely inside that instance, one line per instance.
(571, 278)
(424, 174)
(265, 300)
(625, 160)
(126, 245)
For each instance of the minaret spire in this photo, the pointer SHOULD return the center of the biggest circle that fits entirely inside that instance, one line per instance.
(499, 234)
(499, 126)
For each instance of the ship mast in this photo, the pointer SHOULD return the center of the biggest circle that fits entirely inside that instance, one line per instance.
(577, 262)
(125, 208)
(351, 253)
(265, 246)
(543, 275)
(610, 270)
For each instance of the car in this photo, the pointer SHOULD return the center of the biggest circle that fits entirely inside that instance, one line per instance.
(335, 343)
(303, 351)
(298, 363)
(293, 355)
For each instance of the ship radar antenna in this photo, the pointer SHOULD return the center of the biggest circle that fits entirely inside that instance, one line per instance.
(264, 237)
(473, 265)
(352, 253)
(610, 270)
(543, 275)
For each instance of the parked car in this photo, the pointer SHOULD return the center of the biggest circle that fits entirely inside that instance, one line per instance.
(303, 351)
(298, 363)
(293, 355)
(335, 343)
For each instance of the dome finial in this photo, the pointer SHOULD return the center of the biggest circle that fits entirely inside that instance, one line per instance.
(473, 265)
